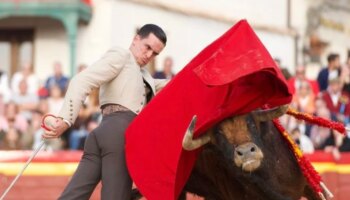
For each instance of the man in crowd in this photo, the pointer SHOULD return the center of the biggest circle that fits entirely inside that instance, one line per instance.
(57, 78)
(294, 83)
(331, 72)
(167, 72)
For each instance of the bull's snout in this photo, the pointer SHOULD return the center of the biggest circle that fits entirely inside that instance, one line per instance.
(246, 149)
(248, 156)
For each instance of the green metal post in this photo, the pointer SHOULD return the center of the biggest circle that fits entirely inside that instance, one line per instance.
(71, 24)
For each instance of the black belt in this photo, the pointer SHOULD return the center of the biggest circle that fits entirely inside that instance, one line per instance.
(112, 108)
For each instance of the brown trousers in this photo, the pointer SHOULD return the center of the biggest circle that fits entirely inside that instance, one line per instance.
(103, 159)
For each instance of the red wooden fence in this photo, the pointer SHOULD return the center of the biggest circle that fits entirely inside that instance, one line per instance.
(46, 177)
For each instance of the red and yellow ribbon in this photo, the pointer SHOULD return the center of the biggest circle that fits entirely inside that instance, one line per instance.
(317, 120)
(311, 175)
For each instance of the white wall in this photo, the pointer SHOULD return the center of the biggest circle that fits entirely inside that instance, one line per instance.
(339, 45)
(50, 45)
(280, 46)
(299, 22)
(263, 12)
(187, 35)
(299, 15)
(95, 38)
(339, 40)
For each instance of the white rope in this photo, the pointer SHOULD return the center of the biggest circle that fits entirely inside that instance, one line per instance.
(21, 172)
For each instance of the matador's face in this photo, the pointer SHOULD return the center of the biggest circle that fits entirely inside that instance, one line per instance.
(145, 49)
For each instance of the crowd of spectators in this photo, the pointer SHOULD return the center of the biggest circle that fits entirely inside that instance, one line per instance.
(328, 97)
(23, 103)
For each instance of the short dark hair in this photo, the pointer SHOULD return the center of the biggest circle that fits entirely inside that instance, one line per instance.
(152, 28)
(332, 57)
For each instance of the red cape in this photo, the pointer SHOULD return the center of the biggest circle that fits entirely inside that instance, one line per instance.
(233, 75)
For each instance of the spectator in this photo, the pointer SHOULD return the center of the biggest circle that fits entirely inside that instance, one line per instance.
(27, 139)
(302, 140)
(303, 101)
(11, 139)
(55, 100)
(12, 117)
(284, 70)
(295, 81)
(318, 134)
(26, 101)
(337, 143)
(345, 76)
(167, 72)
(304, 98)
(25, 73)
(320, 103)
(337, 101)
(331, 72)
(43, 106)
(57, 78)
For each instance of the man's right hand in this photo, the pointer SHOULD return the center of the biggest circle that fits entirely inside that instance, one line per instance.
(57, 129)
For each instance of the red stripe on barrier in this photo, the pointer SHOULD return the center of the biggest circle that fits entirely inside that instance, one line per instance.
(75, 156)
(43, 156)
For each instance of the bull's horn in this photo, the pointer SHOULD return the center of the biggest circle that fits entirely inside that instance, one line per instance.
(270, 114)
(188, 143)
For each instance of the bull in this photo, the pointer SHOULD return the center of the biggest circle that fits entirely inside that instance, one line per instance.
(245, 158)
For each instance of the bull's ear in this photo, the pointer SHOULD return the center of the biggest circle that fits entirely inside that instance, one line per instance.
(270, 114)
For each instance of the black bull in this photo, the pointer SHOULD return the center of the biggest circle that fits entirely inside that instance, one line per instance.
(246, 158)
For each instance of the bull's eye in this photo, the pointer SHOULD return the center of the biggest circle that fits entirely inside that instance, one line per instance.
(252, 149)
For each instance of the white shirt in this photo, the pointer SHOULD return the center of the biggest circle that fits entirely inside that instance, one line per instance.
(305, 144)
(32, 82)
(335, 98)
(333, 74)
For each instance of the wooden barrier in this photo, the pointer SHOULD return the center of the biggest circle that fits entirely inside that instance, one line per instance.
(46, 176)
